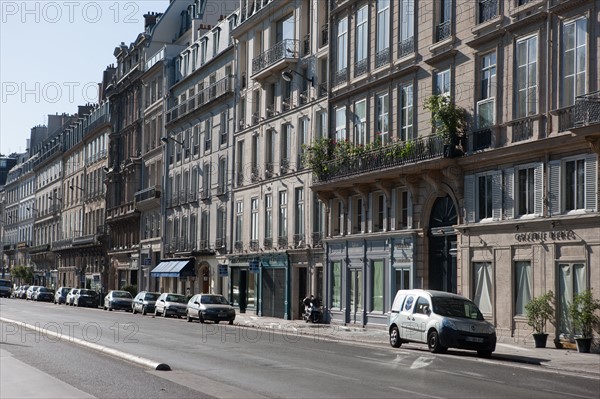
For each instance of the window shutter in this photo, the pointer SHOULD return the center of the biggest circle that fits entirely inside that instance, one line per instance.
(591, 183)
(509, 190)
(538, 187)
(497, 195)
(469, 201)
(554, 188)
(409, 210)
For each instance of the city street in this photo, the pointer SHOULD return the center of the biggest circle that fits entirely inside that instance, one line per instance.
(232, 361)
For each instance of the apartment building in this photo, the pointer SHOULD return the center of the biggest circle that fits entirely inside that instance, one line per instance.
(513, 212)
(282, 55)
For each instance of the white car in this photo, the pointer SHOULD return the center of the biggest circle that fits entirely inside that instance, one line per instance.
(441, 320)
(119, 300)
(169, 304)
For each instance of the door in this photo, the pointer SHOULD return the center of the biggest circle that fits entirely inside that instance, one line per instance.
(273, 294)
(303, 291)
(421, 316)
(442, 246)
(406, 321)
(356, 296)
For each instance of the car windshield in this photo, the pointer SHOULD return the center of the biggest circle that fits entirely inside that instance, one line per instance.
(44, 289)
(4, 283)
(121, 294)
(151, 297)
(456, 307)
(65, 291)
(213, 300)
(176, 298)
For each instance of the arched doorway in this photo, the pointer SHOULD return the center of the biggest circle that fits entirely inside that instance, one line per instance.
(203, 279)
(442, 246)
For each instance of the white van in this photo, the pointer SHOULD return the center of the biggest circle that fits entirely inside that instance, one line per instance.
(441, 320)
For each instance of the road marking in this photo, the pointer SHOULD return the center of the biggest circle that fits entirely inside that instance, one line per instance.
(421, 362)
(519, 348)
(415, 392)
(100, 348)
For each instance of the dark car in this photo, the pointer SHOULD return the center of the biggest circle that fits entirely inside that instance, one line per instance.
(170, 304)
(210, 307)
(44, 294)
(119, 300)
(60, 296)
(145, 302)
(87, 298)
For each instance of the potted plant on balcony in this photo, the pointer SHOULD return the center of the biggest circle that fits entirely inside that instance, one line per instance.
(449, 122)
(583, 315)
(539, 311)
(317, 156)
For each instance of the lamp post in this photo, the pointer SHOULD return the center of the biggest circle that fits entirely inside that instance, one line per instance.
(288, 77)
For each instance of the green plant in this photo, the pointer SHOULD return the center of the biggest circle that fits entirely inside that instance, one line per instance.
(317, 155)
(582, 313)
(132, 289)
(449, 121)
(539, 310)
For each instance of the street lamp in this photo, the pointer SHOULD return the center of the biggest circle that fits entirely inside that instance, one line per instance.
(288, 77)
(166, 139)
(50, 197)
(73, 187)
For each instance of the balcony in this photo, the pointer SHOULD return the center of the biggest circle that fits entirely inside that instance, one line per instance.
(148, 198)
(481, 138)
(239, 246)
(340, 76)
(203, 97)
(269, 168)
(443, 30)
(282, 242)
(388, 156)
(220, 243)
(254, 245)
(566, 118)
(382, 58)
(522, 129)
(121, 211)
(317, 240)
(299, 241)
(361, 67)
(324, 35)
(279, 57)
(406, 47)
(587, 109)
(306, 45)
(268, 243)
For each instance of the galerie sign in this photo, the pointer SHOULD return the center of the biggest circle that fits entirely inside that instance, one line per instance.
(561, 235)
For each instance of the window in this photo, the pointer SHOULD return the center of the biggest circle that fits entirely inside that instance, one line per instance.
(194, 56)
(216, 39)
(254, 220)
(206, 179)
(407, 27)
(484, 197)
(357, 215)
(383, 27)
(221, 226)
(574, 60)
(196, 140)
(402, 279)
(526, 77)
(362, 44)
(342, 44)
(482, 286)
(377, 284)
(488, 9)
(523, 292)
(486, 103)
(321, 128)
(224, 127)
(302, 140)
(407, 112)
(283, 216)
(207, 134)
(203, 50)
(403, 210)
(571, 281)
(239, 223)
(299, 221)
(286, 150)
(269, 216)
(444, 12)
(529, 186)
(572, 184)
(360, 122)
(222, 187)
(383, 127)
(340, 124)
(442, 82)
(336, 284)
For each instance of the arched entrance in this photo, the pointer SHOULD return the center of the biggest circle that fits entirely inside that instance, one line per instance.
(442, 246)
(202, 285)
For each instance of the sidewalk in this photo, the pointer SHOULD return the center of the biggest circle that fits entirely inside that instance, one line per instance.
(507, 351)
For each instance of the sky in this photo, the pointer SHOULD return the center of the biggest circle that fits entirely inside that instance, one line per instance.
(52, 55)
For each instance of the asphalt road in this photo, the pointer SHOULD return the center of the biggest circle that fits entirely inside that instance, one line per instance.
(231, 361)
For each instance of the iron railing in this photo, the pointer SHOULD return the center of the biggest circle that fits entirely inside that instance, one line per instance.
(587, 109)
(566, 118)
(443, 30)
(488, 9)
(324, 35)
(382, 57)
(287, 48)
(361, 67)
(392, 155)
(406, 47)
(522, 129)
(481, 138)
(148, 193)
(306, 45)
(341, 76)
(317, 239)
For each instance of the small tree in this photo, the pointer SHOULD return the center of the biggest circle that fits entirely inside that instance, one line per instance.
(132, 289)
(449, 121)
(582, 312)
(539, 311)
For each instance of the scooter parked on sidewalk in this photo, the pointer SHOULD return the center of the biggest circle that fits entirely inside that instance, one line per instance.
(312, 310)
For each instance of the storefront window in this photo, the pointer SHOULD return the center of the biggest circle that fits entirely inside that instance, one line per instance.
(482, 286)
(336, 284)
(522, 286)
(571, 281)
(377, 285)
(402, 281)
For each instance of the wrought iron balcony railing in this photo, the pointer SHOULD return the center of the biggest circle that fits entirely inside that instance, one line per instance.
(481, 138)
(522, 129)
(148, 193)
(443, 30)
(488, 9)
(361, 67)
(287, 48)
(382, 57)
(587, 109)
(566, 118)
(391, 155)
(406, 47)
(324, 35)
(341, 76)
(317, 239)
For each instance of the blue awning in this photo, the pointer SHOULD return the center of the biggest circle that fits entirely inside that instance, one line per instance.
(174, 268)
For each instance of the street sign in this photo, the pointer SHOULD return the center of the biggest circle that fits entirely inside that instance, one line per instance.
(254, 265)
(147, 262)
(223, 271)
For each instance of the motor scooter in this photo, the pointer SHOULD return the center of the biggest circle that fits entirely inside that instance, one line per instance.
(312, 312)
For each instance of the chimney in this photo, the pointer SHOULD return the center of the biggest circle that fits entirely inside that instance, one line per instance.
(149, 20)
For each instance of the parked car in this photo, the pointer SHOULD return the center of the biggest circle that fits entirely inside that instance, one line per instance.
(22, 293)
(87, 298)
(144, 302)
(5, 288)
(30, 292)
(120, 300)
(44, 294)
(71, 296)
(60, 296)
(211, 307)
(441, 320)
(169, 304)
